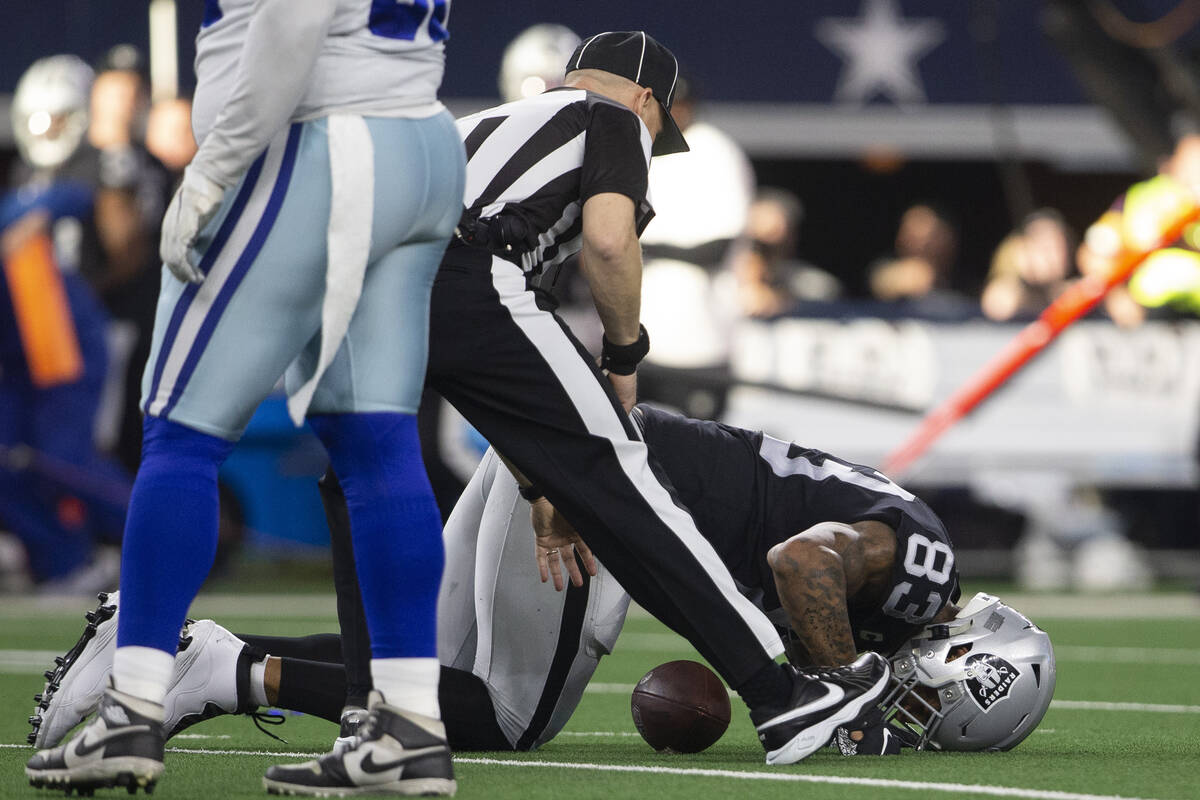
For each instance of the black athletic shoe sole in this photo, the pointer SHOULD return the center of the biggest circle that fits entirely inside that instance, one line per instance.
(131, 773)
(416, 787)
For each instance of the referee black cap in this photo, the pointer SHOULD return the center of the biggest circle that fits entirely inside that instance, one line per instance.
(637, 56)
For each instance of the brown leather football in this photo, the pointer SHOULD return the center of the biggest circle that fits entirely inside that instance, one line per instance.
(680, 707)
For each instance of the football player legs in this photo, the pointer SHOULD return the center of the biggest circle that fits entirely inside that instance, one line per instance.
(514, 370)
(221, 345)
(515, 654)
(531, 648)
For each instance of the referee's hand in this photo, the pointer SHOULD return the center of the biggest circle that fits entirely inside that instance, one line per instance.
(557, 545)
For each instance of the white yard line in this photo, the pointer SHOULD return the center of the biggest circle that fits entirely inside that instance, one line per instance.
(38, 660)
(670, 643)
(34, 661)
(1175, 605)
(778, 777)
(1040, 607)
(876, 783)
(1127, 655)
(28, 660)
(1094, 705)
(219, 606)
(598, 687)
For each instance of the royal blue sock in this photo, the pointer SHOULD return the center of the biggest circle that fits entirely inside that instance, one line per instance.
(170, 532)
(395, 525)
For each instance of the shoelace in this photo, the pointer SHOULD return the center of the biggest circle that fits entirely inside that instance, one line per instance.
(262, 718)
(824, 673)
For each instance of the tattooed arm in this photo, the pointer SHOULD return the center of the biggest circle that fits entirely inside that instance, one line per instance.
(819, 573)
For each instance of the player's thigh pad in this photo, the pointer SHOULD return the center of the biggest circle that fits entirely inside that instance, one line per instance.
(457, 619)
(418, 200)
(220, 346)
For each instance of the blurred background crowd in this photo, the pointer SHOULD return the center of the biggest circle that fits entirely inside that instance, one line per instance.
(879, 195)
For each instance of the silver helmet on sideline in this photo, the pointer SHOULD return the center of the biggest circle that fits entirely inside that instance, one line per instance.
(50, 110)
(536, 60)
(981, 681)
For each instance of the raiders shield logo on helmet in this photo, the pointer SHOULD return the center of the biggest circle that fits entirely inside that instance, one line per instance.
(990, 678)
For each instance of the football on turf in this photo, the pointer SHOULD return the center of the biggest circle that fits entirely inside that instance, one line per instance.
(680, 707)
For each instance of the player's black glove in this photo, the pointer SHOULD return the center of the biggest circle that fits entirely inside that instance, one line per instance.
(870, 735)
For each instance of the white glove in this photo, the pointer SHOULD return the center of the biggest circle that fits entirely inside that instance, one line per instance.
(193, 205)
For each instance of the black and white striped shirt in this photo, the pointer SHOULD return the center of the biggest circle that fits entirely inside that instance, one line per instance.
(532, 164)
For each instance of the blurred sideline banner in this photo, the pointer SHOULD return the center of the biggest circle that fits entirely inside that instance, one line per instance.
(1103, 406)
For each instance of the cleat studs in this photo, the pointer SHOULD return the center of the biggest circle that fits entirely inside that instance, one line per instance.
(37, 698)
(58, 661)
(102, 597)
(90, 616)
(49, 674)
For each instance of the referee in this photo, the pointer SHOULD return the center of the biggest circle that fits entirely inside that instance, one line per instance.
(550, 176)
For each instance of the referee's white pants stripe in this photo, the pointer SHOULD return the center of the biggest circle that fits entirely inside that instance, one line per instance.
(596, 412)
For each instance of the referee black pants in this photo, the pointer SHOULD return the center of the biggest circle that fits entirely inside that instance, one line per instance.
(514, 371)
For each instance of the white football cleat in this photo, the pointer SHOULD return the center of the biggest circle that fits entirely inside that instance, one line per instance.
(80, 676)
(211, 678)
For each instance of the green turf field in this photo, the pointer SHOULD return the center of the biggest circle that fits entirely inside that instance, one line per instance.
(1125, 722)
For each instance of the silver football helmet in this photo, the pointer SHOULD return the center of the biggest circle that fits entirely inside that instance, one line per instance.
(50, 110)
(536, 61)
(982, 681)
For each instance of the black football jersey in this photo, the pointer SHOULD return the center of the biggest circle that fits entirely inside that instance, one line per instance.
(748, 491)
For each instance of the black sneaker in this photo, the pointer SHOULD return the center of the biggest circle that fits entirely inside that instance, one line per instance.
(822, 701)
(395, 752)
(121, 746)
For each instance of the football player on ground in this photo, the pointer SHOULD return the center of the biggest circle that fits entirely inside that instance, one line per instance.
(843, 560)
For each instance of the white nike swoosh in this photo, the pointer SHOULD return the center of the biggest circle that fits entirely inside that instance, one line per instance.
(78, 750)
(833, 696)
(887, 737)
